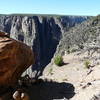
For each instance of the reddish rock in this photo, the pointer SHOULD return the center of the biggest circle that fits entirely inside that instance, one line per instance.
(15, 58)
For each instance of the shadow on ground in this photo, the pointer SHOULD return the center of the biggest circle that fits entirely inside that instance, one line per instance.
(50, 91)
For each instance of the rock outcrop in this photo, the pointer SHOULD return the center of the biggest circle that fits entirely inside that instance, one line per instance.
(20, 95)
(15, 58)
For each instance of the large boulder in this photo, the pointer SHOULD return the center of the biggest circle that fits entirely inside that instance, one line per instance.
(15, 58)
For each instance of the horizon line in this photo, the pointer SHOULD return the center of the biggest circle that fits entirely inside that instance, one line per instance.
(49, 14)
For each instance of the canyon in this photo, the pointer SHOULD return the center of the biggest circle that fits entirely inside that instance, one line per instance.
(41, 32)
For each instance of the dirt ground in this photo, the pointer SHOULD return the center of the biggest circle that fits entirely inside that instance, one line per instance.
(85, 81)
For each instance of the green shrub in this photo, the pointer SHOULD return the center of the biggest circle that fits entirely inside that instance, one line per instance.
(58, 60)
(87, 64)
(73, 50)
(51, 71)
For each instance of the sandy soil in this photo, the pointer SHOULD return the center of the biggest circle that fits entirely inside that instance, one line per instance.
(85, 81)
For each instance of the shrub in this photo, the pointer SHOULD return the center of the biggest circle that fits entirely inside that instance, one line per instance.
(87, 64)
(68, 51)
(73, 50)
(58, 60)
(51, 71)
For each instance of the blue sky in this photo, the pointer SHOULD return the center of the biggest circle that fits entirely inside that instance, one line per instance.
(63, 7)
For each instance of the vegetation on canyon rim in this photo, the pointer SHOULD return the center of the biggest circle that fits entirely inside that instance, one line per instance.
(58, 60)
(87, 64)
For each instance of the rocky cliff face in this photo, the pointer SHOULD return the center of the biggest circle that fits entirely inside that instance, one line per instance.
(81, 36)
(42, 33)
